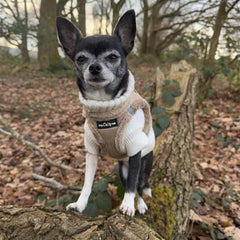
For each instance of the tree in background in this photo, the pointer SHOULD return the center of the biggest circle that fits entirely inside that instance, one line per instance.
(81, 8)
(61, 6)
(101, 11)
(15, 25)
(47, 37)
(222, 20)
(165, 21)
(116, 7)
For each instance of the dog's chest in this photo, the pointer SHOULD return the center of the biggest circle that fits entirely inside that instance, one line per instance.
(99, 95)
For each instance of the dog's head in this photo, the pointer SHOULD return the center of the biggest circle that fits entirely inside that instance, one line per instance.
(100, 59)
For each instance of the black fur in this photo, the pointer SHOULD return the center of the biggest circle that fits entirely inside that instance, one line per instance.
(143, 174)
(146, 168)
(98, 44)
(133, 172)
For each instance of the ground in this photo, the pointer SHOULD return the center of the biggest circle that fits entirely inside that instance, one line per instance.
(46, 110)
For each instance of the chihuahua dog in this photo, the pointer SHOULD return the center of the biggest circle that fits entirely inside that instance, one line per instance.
(118, 120)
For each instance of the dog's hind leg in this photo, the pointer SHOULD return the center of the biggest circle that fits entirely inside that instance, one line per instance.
(148, 161)
(91, 165)
(143, 185)
(127, 206)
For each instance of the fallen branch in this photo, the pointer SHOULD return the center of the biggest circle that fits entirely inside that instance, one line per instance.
(54, 184)
(33, 146)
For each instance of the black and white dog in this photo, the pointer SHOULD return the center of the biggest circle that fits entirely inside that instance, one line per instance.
(102, 76)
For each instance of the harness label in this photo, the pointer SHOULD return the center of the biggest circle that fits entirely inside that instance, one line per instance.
(107, 124)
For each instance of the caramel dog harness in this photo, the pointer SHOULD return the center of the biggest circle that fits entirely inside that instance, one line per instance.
(107, 120)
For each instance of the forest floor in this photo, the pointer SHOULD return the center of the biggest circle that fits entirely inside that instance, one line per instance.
(45, 109)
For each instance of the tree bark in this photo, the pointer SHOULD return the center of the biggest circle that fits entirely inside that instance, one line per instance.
(48, 224)
(145, 27)
(220, 19)
(81, 7)
(209, 63)
(152, 40)
(171, 184)
(116, 7)
(172, 167)
(47, 37)
(24, 44)
(60, 6)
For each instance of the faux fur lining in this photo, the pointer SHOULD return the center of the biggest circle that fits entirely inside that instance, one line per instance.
(102, 106)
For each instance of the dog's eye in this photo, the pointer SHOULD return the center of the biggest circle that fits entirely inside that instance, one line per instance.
(112, 57)
(81, 59)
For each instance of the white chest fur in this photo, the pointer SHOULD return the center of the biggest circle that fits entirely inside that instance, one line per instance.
(99, 95)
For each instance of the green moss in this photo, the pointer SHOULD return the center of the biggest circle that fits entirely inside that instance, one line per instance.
(162, 213)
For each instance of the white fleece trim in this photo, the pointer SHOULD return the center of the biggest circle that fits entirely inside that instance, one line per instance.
(102, 106)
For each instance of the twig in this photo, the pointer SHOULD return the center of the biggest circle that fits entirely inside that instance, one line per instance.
(54, 184)
(33, 146)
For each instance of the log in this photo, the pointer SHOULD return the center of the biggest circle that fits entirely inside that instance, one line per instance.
(20, 223)
(171, 182)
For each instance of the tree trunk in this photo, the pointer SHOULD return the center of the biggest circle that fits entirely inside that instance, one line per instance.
(210, 70)
(221, 17)
(116, 7)
(24, 44)
(171, 184)
(172, 174)
(24, 48)
(152, 33)
(81, 7)
(145, 28)
(47, 36)
(60, 6)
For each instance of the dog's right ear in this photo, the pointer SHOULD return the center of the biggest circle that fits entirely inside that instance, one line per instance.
(68, 35)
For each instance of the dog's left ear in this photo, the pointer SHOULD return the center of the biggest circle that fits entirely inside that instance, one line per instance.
(125, 30)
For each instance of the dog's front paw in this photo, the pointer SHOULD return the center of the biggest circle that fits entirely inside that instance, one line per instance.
(127, 206)
(76, 206)
(127, 209)
(142, 207)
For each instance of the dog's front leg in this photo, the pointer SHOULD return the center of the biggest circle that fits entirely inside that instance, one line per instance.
(127, 206)
(91, 165)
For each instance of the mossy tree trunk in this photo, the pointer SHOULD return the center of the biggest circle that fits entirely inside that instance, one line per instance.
(172, 168)
(171, 182)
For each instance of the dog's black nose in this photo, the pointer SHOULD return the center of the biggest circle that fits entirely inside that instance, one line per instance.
(95, 68)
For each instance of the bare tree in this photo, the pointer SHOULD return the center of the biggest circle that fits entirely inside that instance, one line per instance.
(14, 26)
(224, 9)
(47, 36)
(81, 7)
(101, 12)
(164, 21)
(144, 38)
(60, 6)
(116, 7)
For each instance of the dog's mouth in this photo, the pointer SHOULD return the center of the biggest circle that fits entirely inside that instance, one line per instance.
(97, 82)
